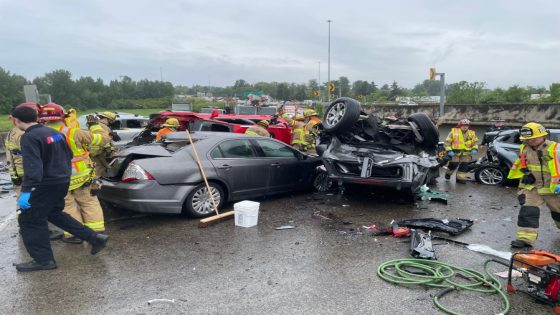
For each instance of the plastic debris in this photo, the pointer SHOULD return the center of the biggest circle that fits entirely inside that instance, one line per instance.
(150, 302)
(505, 274)
(450, 226)
(485, 249)
(424, 193)
(421, 245)
(285, 227)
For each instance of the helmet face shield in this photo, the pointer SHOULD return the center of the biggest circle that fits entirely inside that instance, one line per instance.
(526, 133)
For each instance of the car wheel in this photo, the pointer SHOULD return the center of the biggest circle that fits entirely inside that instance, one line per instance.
(341, 115)
(199, 203)
(322, 182)
(427, 130)
(490, 175)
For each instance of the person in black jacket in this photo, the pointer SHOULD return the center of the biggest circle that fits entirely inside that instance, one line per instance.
(47, 169)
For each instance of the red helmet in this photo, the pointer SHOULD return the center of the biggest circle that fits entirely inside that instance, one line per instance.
(51, 112)
(35, 106)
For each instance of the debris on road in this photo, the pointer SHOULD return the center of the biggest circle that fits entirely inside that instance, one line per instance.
(505, 274)
(285, 227)
(425, 193)
(421, 245)
(449, 226)
(150, 302)
(395, 230)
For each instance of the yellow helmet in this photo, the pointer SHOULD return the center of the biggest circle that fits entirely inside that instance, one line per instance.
(309, 113)
(171, 122)
(532, 130)
(299, 117)
(109, 115)
(264, 123)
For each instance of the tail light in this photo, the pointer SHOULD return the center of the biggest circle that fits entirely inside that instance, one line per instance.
(134, 172)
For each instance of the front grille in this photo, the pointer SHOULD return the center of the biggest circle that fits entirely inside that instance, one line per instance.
(376, 171)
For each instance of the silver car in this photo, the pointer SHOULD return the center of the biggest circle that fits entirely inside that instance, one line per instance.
(125, 127)
(164, 177)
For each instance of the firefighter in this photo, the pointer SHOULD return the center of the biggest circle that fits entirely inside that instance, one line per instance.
(170, 125)
(79, 201)
(460, 145)
(497, 125)
(259, 129)
(537, 168)
(102, 155)
(48, 166)
(311, 129)
(14, 160)
(297, 124)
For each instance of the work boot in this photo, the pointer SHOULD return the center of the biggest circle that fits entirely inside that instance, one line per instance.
(72, 240)
(448, 176)
(55, 235)
(520, 244)
(98, 242)
(33, 265)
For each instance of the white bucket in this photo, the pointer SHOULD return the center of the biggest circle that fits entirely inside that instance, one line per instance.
(246, 213)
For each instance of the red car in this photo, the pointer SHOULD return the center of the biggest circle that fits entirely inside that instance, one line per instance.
(219, 122)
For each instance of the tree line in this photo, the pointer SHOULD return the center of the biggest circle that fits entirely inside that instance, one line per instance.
(86, 92)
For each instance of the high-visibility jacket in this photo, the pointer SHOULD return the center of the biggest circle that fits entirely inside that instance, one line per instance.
(13, 154)
(79, 141)
(102, 155)
(256, 130)
(311, 123)
(459, 140)
(310, 132)
(164, 131)
(545, 169)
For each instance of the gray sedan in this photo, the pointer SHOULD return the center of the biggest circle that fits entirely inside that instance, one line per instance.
(164, 178)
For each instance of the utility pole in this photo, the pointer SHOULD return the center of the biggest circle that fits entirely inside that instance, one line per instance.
(161, 74)
(329, 62)
(319, 83)
(442, 94)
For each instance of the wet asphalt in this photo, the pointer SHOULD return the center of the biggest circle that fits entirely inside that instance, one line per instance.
(326, 265)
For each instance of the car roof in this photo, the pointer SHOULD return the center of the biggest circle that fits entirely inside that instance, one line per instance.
(203, 135)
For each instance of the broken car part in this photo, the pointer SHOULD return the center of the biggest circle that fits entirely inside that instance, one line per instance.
(450, 226)
(421, 245)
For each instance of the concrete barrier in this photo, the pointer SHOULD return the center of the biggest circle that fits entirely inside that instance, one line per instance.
(515, 114)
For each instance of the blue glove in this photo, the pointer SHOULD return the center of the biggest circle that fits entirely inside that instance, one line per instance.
(474, 151)
(23, 200)
(450, 153)
(557, 190)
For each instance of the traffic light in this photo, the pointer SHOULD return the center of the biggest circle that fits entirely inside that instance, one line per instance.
(432, 74)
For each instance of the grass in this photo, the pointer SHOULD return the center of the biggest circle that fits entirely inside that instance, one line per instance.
(6, 124)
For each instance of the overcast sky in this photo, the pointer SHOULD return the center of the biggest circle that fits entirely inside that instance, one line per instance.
(216, 42)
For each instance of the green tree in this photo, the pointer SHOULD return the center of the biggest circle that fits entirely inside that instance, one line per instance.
(395, 91)
(344, 86)
(516, 94)
(11, 90)
(555, 92)
(464, 92)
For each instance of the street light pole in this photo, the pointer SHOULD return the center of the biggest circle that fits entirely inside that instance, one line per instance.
(329, 62)
(319, 83)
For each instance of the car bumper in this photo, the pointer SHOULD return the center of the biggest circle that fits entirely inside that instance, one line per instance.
(145, 196)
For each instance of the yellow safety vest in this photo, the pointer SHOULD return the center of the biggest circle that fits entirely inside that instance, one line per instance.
(82, 170)
(311, 123)
(458, 143)
(553, 168)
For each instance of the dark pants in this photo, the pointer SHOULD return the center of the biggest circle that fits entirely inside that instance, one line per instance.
(47, 203)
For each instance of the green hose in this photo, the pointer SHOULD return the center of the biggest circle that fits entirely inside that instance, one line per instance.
(440, 275)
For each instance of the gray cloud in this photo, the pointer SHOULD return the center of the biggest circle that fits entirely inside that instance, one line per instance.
(200, 42)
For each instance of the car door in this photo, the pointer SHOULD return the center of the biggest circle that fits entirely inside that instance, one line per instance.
(237, 163)
(288, 171)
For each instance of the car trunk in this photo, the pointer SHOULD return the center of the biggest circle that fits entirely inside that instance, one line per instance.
(119, 163)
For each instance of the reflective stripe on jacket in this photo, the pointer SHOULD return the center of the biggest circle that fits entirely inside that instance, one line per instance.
(82, 170)
(547, 174)
(455, 140)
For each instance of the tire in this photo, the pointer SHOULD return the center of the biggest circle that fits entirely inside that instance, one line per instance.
(427, 130)
(322, 182)
(198, 203)
(341, 115)
(490, 175)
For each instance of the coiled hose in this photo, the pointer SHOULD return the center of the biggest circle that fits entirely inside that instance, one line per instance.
(440, 275)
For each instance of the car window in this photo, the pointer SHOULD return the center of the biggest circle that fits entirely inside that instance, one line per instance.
(210, 126)
(236, 149)
(135, 123)
(553, 136)
(275, 149)
(115, 125)
(216, 153)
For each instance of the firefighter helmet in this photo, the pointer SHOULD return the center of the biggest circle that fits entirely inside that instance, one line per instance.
(299, 117)
(464, 122)
(51, 112)
(171, 123)
(264, 123)
(532, 130)
(309, 113)
(109, 115)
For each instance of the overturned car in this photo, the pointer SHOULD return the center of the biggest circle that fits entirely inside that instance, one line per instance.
(358, 148)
